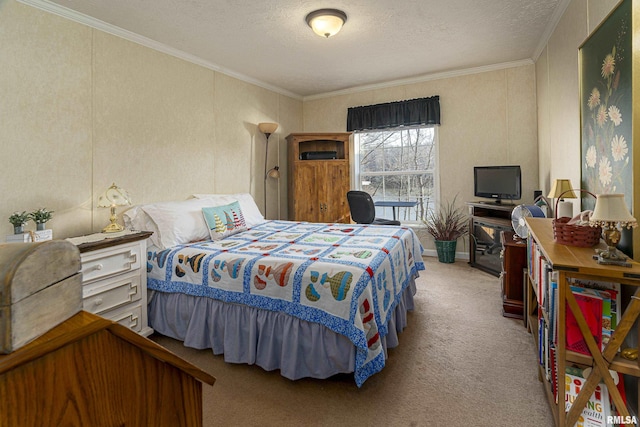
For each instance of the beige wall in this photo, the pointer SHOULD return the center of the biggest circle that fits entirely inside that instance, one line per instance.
(488, 118)
(558, 92)
(82, 109)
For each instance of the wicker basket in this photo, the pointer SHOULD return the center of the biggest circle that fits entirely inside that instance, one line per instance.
(583, 236)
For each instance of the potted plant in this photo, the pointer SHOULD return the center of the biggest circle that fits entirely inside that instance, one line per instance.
(40, 217)
(18, 220)
(446, 225)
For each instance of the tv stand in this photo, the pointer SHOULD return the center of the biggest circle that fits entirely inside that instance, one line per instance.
(496, 203)
(486, 221)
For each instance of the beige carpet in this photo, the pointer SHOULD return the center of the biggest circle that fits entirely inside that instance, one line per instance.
(459, 363)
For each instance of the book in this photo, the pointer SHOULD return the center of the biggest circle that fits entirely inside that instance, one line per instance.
(591, 307)
(597, 409)
(554, 373)
(607, 328)
(611, 295)
(553, 310)
(611, 287)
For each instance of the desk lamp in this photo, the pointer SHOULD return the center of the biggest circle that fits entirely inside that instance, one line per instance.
(112, 197)
(562, 189)
(611, 214)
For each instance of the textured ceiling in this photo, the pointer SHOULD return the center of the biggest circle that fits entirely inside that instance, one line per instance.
(269, 41)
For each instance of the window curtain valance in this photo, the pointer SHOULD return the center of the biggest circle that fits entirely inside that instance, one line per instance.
(420, 111)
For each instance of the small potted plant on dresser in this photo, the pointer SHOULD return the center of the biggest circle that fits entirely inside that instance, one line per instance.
(447, 224)
(40, 217)
(18, 220)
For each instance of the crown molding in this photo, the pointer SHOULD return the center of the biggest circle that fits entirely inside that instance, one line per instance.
(72, 15)
(97, 24)
(550, 28)
(421, 79)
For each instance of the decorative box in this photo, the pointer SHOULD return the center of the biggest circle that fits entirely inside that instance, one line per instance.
(40, 287)
(31, 236)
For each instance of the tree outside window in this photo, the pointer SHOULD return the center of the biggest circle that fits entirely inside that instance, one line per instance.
(400, 165)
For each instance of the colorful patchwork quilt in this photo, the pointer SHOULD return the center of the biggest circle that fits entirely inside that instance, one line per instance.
(347, 277)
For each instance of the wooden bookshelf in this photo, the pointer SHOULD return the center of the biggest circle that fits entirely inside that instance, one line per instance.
(570, 262)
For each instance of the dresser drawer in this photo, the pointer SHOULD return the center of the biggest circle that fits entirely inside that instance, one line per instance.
(129, 316)
(108, 294)
(108, 262)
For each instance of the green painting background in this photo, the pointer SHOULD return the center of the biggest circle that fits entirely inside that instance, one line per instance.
(613, 33)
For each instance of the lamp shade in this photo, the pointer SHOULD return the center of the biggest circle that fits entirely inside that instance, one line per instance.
(274, 172)
(560, 186)
(611, 208)
(114, 196)
(267, 128)
(326, 22)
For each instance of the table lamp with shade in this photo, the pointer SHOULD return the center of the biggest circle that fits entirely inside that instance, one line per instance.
(611, 213)
(562, 189)
(113, 196)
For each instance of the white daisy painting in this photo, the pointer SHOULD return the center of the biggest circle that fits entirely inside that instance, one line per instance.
(606, 106)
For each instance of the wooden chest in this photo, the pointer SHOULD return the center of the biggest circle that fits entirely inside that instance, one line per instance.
(40, 287)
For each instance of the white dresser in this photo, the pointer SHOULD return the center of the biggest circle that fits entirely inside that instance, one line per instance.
(114, 277)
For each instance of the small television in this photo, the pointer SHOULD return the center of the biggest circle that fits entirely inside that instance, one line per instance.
(497, 182)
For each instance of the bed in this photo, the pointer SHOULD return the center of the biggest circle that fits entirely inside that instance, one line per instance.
(312, 300)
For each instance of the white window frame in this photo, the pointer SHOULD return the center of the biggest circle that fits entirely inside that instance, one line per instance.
(356, 181)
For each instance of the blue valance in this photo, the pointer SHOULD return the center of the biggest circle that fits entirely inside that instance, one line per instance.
(420, 111)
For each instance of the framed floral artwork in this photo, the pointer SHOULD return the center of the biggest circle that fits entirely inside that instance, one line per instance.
(606, 108)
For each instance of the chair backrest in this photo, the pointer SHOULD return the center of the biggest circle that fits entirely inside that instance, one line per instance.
(363, 211)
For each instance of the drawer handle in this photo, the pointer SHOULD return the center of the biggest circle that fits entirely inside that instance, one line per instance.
(96, 267)
(134, 321)
(97, 301)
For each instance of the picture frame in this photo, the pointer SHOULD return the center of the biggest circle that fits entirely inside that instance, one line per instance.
(606, 108)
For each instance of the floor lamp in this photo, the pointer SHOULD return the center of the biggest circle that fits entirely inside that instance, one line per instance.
(267, 129)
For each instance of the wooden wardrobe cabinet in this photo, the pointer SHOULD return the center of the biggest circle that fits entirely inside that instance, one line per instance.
(318, 185)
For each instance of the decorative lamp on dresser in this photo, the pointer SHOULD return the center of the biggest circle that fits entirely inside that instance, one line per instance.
(114, 277)
(319, 177)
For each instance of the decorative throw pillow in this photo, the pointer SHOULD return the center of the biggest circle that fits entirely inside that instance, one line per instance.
(251, 212)
(224, 220)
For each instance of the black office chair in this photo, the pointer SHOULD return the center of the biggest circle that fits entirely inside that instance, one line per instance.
(363, 210)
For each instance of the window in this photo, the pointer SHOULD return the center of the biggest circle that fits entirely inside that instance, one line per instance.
(398, 164)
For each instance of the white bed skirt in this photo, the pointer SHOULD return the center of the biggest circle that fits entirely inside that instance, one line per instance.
(271, 340)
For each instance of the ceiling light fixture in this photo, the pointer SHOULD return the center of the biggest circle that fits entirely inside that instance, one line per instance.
(326, 22)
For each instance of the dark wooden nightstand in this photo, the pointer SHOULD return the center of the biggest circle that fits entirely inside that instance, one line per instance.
(514, 260)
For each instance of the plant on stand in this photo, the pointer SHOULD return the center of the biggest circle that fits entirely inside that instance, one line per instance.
(18, 220)
(446, 225)
(40, 217)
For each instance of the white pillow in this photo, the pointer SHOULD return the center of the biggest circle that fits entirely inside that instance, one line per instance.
(252, 214)
(175, 222)
(137, 219)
